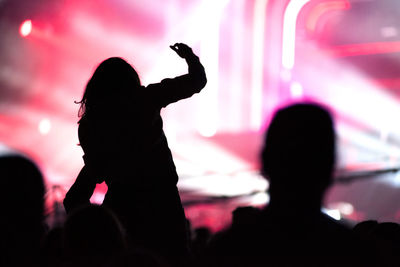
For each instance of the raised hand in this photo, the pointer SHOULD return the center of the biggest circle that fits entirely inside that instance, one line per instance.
(182, 50)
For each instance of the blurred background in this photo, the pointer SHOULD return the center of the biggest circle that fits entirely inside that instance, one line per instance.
(258, 55)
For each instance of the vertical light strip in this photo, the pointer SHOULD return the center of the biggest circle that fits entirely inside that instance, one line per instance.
(235, 119)
(208, 117)
(259, 19)
(289, 32)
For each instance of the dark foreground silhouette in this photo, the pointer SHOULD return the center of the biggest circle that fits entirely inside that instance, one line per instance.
(22, 225)
(92, 237)
(383, 238)
(121, 134)
(298, 159)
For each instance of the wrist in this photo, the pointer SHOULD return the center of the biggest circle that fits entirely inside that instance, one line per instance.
(191, 58)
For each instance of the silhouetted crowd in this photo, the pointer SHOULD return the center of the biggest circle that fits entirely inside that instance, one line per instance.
(141, 221)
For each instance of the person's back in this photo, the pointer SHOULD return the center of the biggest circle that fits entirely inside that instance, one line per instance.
(132, 144)
(298, 159)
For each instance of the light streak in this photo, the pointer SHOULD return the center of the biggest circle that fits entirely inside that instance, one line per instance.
(259, 19)
(289, 32)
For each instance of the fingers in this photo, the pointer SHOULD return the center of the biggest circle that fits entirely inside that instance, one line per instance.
(173, 47)
(178, 46)
(182, 50)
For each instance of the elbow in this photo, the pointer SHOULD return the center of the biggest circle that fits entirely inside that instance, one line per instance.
(198, 78)
(202, 82)
(199, 85)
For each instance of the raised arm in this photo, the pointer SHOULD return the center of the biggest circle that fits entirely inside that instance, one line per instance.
(172, 90)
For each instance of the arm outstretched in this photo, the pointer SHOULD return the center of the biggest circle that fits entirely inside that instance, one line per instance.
(181, 87)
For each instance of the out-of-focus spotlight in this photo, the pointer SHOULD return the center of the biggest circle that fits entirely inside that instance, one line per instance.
(344, 208)
(296, 90)
(207, 131)
(26, 28)
(260, 198)
(44, 126)
(335, 214)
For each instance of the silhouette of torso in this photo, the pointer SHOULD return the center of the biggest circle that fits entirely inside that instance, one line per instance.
(129, 148)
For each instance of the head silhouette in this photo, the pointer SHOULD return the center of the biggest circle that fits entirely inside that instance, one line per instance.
(299, 152)
(113, 80)
(22, 210)
(21, 190)
(92, 231)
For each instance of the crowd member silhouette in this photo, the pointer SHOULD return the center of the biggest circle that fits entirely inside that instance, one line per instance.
(298, 160)
(93, 236)
(201, 237)
(22, 206)
(121, 134)
(383, 238)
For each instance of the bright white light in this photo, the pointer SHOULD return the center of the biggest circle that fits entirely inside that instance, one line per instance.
(44, 126)
(296, 90)
(289, 32)
(191, 30)
(261, 198)
(335, 214)
(260, 13)
(344, 208)
(209, 45)
(207, 130)
(26, 28)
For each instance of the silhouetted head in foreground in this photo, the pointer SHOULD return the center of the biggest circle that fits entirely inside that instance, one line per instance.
(92, 232)
(22, 210)
(113, 80)
(299, 153)
(21, 190)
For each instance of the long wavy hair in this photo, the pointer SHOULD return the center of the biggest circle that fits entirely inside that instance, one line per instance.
(111, 82)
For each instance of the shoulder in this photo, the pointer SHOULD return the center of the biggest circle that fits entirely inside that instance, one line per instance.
(160, 85)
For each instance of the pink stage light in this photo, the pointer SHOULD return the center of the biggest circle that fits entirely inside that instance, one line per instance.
(26, 28)
(364, 49)
(323, 8)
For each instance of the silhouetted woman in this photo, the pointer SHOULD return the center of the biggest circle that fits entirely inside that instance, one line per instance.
(120, 132)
